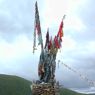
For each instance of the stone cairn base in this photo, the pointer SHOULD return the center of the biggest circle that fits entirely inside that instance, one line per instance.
(44, 89)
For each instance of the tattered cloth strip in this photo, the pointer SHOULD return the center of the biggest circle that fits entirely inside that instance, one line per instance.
(47, 38)
(60, 32)
(37, 28)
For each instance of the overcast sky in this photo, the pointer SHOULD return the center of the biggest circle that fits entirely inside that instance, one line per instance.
(78, 47)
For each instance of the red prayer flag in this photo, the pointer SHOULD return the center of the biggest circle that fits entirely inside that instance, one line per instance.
(60, 32)
(37, 24)
(56, 42)
(50, 44)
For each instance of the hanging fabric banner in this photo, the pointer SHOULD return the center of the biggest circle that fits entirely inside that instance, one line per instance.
(37, 28)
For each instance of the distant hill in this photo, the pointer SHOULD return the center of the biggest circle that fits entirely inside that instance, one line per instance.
(64, 91)
(13, 85)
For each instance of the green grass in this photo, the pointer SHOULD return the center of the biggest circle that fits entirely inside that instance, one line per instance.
(68, 92)
(64, 91)
(13, 85)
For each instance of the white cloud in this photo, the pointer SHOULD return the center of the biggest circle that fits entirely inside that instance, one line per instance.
(68, 44)
(74, 23)
(53, 12)
(21, 46)
(90, 90)
(91, 46)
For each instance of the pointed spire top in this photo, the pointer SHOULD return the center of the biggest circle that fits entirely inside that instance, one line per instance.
(63, 17)
(47, 29)
(36, 2)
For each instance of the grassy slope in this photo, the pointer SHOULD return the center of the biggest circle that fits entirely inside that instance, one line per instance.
(13, 85)
(65, 91)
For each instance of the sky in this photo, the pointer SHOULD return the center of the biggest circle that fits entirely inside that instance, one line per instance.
(78, 46)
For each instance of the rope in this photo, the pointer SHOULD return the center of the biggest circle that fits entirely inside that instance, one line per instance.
(90, 82)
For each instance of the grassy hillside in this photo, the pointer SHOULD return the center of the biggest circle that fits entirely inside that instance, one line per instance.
(13, 85)
(68, 92)
(64, 91)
